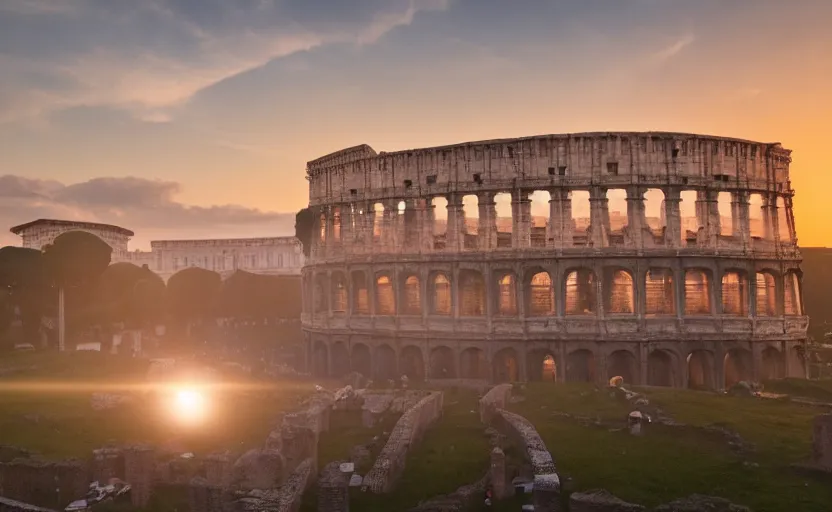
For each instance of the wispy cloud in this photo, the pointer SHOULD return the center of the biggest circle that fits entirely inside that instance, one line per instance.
(673, 49)
(169, 50)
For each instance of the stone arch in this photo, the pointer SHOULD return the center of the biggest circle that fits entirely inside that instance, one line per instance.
(766, 295)
(580, 294)
(619, 292)
(412, 363)
(734, 293)
(773, 364)
(622, 363)
(440, 295)
(360, 293)
(442, 364)
(541, 365)
(360, 360)
(661, 370)
(541, 295)
(385, 363)
(737, 366)
(385, 296)
(338, 292)
(473, 364)
(659, 292)
(697, 292)
(700, 370)
(506, 294)
(792, 303)
(411, 300)
(471, 293)
(505, 367)
(319, 295)
(340, 359)
(320, 359)
(580, 366)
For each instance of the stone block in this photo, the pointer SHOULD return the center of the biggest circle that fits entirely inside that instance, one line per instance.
(258, 469)
(822, 441)
(498, 473)
(600, 500)
(139, 470)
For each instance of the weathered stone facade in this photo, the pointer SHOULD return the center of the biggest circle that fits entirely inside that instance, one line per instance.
(44, 482)
(391, 288)
(408, 431)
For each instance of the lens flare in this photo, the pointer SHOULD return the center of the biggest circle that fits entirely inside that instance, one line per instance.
(189, 405)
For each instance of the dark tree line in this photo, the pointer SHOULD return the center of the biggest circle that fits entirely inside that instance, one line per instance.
(98, 293)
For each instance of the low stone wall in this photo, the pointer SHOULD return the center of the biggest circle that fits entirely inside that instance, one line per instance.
(44, 482)
(461, 500)
(496, 398)
(408, 430)
(7, 505)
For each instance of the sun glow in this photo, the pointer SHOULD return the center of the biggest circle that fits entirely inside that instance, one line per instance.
(189, 405)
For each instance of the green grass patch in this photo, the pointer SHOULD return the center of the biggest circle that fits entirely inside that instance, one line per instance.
(819, 390)
(671, 462)
(454, 452)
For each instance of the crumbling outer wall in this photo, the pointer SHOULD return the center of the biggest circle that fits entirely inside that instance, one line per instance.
(408, 430)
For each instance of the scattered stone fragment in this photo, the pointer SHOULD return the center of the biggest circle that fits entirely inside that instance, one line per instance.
(701, 503)
(600, 500)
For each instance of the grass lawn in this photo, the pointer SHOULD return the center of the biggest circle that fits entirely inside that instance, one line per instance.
(454, 452)
(671, 462)
(46, 407)
(819, 390)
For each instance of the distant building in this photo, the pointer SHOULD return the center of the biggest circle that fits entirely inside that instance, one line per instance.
(42, 232)
(272, 256)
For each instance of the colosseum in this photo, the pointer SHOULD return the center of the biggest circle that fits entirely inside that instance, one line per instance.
(668, 259)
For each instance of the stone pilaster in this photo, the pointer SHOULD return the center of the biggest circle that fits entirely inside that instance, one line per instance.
(707, 214)
(740, 217)
(636, 216)
(368, 227)
(456, 224)
(559, 229)
(673, 218)
(521, 219)
(599, 217)
(487, 231)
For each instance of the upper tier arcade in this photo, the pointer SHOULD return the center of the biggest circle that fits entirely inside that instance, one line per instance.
(382, 203)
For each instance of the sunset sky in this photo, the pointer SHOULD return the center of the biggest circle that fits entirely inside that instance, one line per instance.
(195, 118)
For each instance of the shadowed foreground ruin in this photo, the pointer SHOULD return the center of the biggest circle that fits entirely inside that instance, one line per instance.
(413, 271)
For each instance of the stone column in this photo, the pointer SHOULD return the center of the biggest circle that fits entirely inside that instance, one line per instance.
(204, 497)
(455, 235)
(498, 473)
(599, 217)
(333, 490)
(390, 227)
(425, 218)
(707, 214)
(636, 217)
(790, 219)
(521, 218)
(487, 230)
(740, 218)
(822, 441)
(347, 233)
(673, 218)
(774, 218)
(559, 229)
(368, 224)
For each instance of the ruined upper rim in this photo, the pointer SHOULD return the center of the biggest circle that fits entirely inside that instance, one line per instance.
(365, 151)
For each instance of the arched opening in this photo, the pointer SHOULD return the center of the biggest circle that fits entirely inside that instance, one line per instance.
(507, 297)
(319, 295)
(412, 364)
(385, 298)
(360, 294)
(320, 359)
(412, 297)
(471, 293)
(773, 364)
(791, 289)
(473, 364)
(339, 293)
(541, 366)
(766, 294)
(322, 227)
(385, 363)
(734, 294)
(697, 292)
(541, 295)
(620, 293)
(440, 295)
(580, 293)
(340, 359)
(336, 224)
(504, 366)
(622, 363)
(737, 367)
(442, 363)
(361, 361)
(700, 370)
(660, 295)
(660, 369)
(580, 366)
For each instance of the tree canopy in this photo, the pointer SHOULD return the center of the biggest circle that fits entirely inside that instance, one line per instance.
(23, 282)
(193, 293)
(130, 294)
(304, 227)
(247, 295)
(76, 258)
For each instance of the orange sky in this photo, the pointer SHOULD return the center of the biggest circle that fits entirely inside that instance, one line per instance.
(209, 110)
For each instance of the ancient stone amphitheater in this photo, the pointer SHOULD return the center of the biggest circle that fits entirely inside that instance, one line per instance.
(692, 280)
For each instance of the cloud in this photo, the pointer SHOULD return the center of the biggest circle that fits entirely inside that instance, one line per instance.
(148, 207)
(151, 57)
(673, 49)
